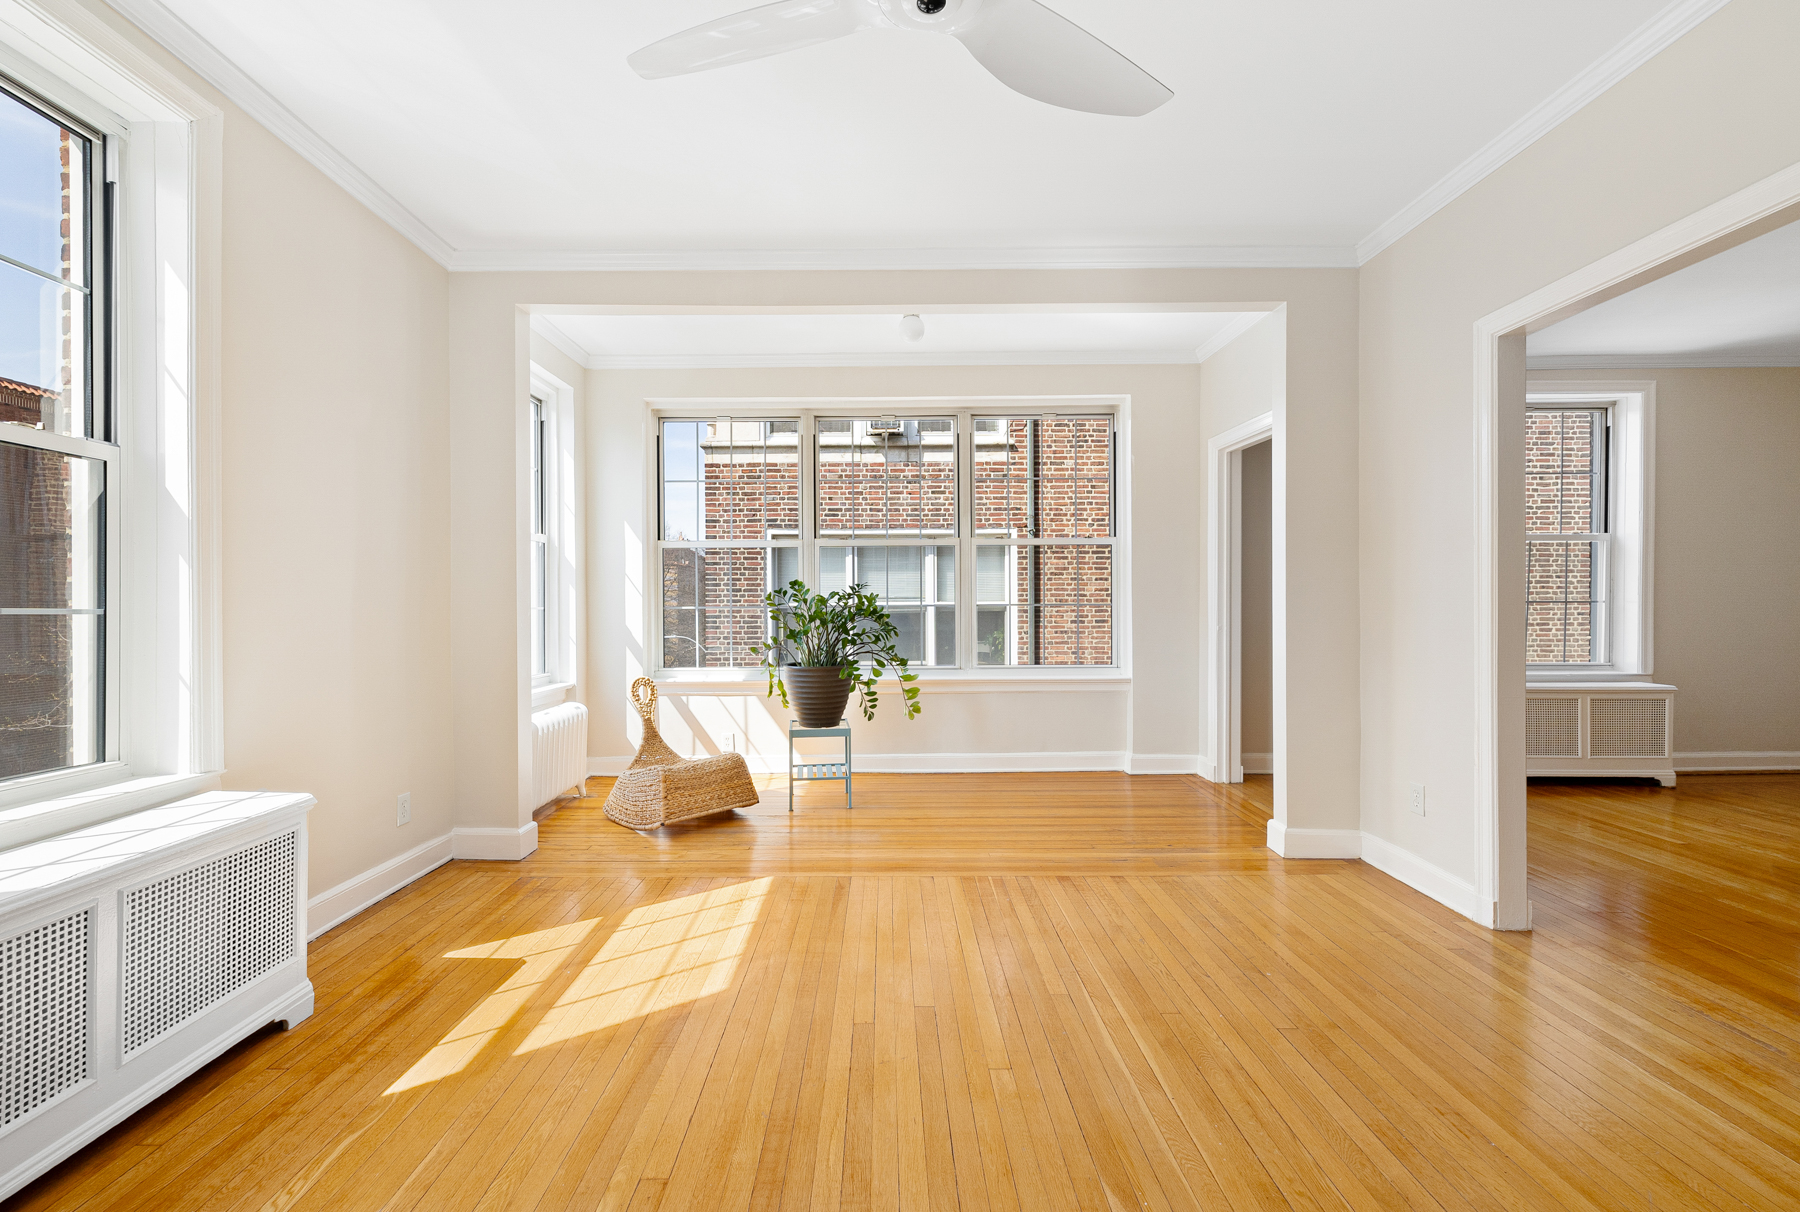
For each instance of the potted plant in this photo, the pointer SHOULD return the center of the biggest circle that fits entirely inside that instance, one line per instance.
(824, 645)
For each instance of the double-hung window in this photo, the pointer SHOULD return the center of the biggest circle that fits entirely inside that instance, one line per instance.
(989, 537)
(1589, 461)
(57, 451)
(540, 542)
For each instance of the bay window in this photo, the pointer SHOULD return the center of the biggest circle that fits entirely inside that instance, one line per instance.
(988, 537)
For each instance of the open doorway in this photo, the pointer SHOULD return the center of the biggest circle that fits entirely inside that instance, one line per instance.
(1653, 399)
(1241, 547)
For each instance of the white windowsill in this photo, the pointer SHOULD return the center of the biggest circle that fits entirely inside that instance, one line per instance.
(550, 695)
(1553, 673)
(34, 820)
(931, 681)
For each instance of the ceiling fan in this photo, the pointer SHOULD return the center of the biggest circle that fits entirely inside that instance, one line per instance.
(1029, 48)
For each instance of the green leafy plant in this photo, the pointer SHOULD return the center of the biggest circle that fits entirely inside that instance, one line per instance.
(847, 629)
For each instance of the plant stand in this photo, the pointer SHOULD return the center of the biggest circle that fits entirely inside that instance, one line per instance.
(818, 772)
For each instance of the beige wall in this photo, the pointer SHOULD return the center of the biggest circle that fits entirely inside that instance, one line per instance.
(489, 346)
(1714, 113)
(1257, 658)
(1727, 553)
(336, 483)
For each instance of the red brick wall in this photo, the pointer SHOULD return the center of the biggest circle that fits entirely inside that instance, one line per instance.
(1561, 449)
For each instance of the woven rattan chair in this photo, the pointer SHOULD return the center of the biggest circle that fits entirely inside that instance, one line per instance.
(661, 787)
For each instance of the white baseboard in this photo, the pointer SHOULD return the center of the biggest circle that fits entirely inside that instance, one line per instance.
(1259, 763)
(1415, 872)
(1738, 760)
(357, 893)
(1314, 843)
(506, 845)
(1164, 763)
(960, 763)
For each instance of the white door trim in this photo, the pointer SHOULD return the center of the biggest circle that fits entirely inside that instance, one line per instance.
(1225, 557)
(1499, 546)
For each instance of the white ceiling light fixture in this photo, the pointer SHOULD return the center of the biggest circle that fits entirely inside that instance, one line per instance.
(912, 327)
(1026, 46)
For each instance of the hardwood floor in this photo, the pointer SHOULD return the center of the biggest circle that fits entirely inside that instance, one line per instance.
(1064, 992)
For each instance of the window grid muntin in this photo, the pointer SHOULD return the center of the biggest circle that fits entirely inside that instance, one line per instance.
(809, 541)
(1567, 606)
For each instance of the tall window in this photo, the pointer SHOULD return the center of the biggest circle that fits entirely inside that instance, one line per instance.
(56, 455)
(540, 544)
(1568, 535)
(988, 538)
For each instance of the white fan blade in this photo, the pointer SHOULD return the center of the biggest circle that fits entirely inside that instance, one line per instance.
(1034, 51)
(754, 34)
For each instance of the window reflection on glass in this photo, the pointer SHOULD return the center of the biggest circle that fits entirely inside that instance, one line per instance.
(46, 279)
(52, 605)
(713, 613)
(726, 479)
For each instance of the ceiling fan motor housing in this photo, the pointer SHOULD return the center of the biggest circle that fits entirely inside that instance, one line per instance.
(937, 16)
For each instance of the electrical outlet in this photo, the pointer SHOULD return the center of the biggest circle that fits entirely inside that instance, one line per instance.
(1418, 799)
(404, 816)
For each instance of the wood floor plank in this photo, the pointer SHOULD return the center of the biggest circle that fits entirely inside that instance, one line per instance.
(1066, 992)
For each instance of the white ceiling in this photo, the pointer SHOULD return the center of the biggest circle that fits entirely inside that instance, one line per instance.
(1740, 308)
(952, 338)
(1299, 127)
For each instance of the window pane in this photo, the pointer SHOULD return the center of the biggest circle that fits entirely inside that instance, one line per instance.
(916, 584)
(51, 602)
(713, 610)
(730, 479)
(539, 642)
(1564, 462)
(1044, 605)
(43, 359)
(1561, 585)
(44, 204)
(887, 477)
(1037, 478)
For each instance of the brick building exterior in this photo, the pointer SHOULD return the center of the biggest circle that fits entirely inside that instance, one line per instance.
(1032, 479)
(1564, 462)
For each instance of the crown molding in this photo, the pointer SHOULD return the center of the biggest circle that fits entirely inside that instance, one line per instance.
(181, 40)
(1643, 45)
(875, 260)
(798, 361)
(1659, 361)
(570, 347)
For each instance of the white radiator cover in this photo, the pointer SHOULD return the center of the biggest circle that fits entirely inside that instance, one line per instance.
(558, 751)
(1600, 729)
(133, 952)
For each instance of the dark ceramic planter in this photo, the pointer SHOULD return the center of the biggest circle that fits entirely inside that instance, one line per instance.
(817, 694)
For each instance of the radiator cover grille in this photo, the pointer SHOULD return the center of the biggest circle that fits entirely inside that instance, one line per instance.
(198, 936)
(1553, 728)
(1628, 728)
(45, 976)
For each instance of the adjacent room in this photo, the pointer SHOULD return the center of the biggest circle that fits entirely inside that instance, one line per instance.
(915, 604)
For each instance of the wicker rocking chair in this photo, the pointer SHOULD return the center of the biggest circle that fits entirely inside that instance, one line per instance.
(661, 787)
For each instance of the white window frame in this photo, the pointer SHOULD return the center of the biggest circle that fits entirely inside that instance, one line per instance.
(964, 410)
(164, 733)
(554, 401)
(1630, 549)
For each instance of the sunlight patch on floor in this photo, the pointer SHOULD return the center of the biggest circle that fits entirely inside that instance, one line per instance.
(543, 952)
(661, 956)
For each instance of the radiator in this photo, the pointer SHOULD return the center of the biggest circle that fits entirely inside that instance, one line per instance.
(1600, 729)
(558, 752)
(133, 952)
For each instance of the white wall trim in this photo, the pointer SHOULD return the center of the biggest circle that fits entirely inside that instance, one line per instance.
(1657, 361)
(1649, 40)
(338, 905)
(181, 40)
(961, 763)
(1223, 688)
(878, 259)
(1745, 760)
(507, 845)
(1446, 889)
(1259, 763)
(1314, 843)
(1001, 357)
(1163, 763)
(1499, 796)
